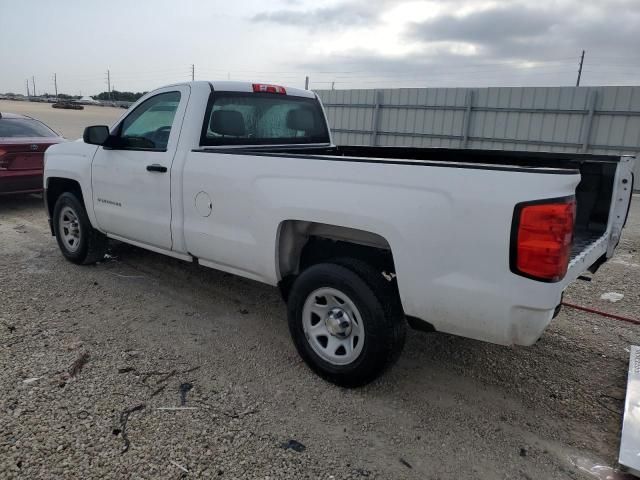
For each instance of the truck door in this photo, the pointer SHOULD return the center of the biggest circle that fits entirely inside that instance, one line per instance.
(131, 179)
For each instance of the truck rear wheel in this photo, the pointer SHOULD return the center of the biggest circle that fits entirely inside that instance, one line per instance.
(346, 321)
(79, 242)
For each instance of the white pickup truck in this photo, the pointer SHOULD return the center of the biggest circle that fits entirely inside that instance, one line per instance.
(245, 178)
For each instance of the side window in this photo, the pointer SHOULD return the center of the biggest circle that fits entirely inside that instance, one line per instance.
(149, 125)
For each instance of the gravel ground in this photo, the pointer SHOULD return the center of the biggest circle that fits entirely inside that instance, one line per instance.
(92, 356)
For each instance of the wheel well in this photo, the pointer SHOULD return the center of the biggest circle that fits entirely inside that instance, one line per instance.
(319, 249)
(56, 187)
(302, 244)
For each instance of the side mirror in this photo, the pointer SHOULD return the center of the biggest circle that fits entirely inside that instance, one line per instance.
(96, 135)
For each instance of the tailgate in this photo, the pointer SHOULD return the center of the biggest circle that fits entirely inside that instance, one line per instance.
(623, 190)
(603, 199)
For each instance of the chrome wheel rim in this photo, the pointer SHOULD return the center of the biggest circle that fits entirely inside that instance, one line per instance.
(333, 326)
(69, 229)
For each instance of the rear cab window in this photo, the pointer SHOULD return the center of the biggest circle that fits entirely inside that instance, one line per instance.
(256, 118)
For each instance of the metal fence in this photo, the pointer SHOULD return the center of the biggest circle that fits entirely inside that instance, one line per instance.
(602, 120)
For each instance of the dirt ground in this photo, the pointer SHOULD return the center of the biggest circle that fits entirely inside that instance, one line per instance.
(92, 356)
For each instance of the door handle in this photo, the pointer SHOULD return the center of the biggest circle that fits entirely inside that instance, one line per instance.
(156, 168)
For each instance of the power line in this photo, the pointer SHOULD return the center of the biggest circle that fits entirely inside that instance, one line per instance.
(491, 68)
(527, 72)
(400, 75)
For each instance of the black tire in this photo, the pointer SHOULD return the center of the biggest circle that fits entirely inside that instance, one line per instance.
(92, 245)
(379, 306)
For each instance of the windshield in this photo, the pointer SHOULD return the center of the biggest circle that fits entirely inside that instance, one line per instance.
(237, 118)
(24, 127)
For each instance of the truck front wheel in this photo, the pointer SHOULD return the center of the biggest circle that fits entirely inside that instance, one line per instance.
(346, 321)
(79, 242)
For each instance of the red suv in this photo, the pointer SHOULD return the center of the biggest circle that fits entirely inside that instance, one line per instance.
(23, 141)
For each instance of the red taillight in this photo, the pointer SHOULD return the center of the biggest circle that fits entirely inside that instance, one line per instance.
(543, 231)
(266, 88)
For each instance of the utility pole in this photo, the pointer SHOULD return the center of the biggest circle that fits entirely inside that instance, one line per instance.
(55, 84)
(33, 79)
(27, 83)
(580, 69)
(193, 72)
(306, 82)
(109, 83)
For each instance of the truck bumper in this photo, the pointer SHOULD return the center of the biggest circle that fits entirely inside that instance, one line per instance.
(527, 325)
(515, 313)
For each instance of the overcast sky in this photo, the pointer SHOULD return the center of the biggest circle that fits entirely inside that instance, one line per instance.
(354, 43)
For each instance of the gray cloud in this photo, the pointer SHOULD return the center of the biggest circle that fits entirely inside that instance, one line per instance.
(527, 33)
(546, 34)
(511, 23)
(344, 14)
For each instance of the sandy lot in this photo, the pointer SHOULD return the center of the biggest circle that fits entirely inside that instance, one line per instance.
(69, 123)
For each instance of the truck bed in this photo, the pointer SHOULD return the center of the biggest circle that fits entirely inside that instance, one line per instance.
(593, 194)
(505, 158)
